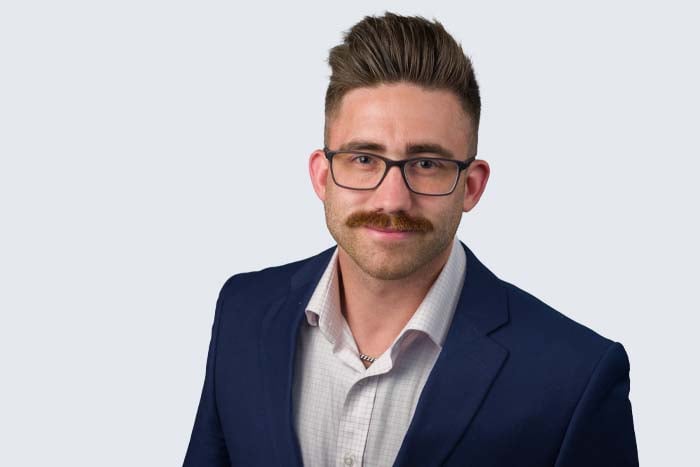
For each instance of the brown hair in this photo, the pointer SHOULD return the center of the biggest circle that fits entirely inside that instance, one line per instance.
(392, 49)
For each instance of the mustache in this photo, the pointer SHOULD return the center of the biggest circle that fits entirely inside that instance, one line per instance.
(399, 221)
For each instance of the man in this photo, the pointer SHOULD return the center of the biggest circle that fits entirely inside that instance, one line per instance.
(399, 347)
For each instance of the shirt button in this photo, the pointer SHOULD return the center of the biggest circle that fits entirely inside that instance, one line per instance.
(348, 459)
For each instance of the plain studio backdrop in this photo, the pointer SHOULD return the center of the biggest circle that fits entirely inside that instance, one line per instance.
(151, 149)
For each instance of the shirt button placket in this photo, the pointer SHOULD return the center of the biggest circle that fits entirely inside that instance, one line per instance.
(354, 422)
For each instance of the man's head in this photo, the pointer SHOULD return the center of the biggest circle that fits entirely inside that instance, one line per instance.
(401, 88)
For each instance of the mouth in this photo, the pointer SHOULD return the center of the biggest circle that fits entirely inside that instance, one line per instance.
(388, 230)
(390, 234)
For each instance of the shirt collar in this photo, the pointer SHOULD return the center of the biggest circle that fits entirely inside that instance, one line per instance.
(434, 314)
(323, 309)
(432, 317)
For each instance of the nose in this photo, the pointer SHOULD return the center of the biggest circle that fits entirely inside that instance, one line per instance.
(392, 195)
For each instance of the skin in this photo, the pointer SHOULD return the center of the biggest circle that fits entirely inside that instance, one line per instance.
(385, 274)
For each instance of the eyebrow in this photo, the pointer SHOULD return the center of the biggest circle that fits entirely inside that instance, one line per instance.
(411, 148)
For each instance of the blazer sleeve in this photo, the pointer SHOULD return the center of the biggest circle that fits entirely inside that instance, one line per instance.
(601, 430)
(207, 446)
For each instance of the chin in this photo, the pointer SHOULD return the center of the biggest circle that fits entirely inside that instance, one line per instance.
(387, 268)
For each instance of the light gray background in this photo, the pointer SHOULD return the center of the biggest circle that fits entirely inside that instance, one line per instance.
(129, 133)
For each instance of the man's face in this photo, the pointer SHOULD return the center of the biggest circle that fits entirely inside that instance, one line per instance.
(388, 120)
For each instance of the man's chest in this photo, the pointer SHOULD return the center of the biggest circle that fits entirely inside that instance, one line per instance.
(347, 415)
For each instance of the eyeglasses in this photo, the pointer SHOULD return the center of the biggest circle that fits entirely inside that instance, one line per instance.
(430, 176)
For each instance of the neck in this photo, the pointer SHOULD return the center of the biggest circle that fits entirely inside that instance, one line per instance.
(376, 310)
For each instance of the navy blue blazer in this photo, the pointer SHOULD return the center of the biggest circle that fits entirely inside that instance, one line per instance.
(516, 383)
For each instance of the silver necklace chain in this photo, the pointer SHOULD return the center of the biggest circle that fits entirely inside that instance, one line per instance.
(367, 358)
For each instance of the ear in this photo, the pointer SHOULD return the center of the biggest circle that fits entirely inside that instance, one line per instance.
(477, 175)
(318, 170)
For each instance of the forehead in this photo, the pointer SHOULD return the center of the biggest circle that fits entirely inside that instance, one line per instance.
(395, 115)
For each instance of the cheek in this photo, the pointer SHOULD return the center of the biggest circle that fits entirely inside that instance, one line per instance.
(445, 215)
(342, 201)
(335, 206)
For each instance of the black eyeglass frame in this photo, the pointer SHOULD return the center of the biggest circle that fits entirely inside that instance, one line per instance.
(389, 163)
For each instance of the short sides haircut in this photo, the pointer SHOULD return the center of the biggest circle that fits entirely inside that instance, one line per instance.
(392, 49)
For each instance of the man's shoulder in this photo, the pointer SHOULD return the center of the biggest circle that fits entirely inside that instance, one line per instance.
(535, 325)
(532, 324)
(271, 282)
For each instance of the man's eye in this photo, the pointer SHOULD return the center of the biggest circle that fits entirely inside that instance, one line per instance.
(363, 160)
(427, 164)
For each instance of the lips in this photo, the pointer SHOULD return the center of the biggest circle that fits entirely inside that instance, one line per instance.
(385, 230)
(389, 234)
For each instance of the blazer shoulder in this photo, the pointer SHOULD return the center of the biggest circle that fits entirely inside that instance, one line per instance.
(269, 283)
(543, 326)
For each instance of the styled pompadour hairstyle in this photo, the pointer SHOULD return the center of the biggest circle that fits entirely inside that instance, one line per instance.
(392, 49)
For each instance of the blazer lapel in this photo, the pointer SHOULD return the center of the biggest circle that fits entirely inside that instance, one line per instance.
(280, 328)
(463, 373)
